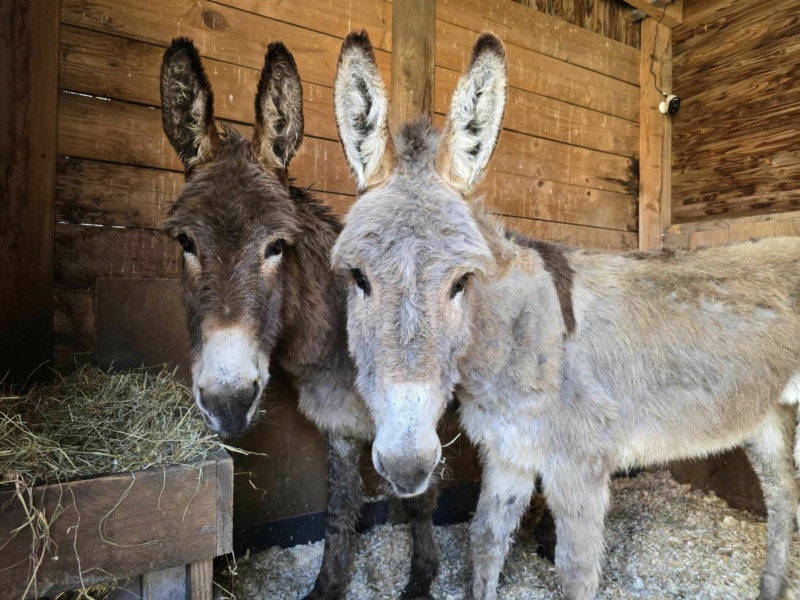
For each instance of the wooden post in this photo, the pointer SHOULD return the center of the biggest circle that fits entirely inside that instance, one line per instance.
(655, 135)
(413, 37)
(200, 577)
(28, 125)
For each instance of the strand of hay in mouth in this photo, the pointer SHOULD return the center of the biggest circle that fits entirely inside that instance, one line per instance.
(89, 423)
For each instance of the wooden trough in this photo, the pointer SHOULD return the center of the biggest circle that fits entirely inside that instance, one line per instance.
(158, 528)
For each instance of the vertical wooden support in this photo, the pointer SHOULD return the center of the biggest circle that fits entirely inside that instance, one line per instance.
(28, 125)
(655, 135)
(413, 37)
(200, 576)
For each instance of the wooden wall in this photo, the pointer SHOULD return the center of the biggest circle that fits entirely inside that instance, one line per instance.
(566, 165)
(736, 144)
(609, 18)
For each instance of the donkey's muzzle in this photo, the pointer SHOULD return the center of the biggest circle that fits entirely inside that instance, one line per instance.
(229, 411)
(408, 475)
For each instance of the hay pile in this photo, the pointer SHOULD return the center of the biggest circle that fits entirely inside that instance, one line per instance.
(89, 423)
(93, 422)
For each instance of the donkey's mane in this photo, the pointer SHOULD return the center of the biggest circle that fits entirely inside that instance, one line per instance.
(416, 142)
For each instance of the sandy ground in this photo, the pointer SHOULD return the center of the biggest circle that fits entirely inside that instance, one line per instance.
(664, 541)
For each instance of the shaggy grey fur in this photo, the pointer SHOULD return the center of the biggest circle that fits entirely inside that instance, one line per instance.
(569, 364)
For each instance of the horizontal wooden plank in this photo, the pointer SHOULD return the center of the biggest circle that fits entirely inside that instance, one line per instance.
(520, 154)
(84, 253)
(221, 32)
(520, 196)
(720, 231)
(552, 119)
(543, 75)
(110, 194)
(105, 65)
(573, 235)
(334, 17)
(115, 526)
(124, 133)
(73, 320)
(534, 30)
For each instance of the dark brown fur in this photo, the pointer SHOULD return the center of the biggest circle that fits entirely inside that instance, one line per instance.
(556, 263)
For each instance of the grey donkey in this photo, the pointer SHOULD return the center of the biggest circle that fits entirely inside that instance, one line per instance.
(258, 287)
(568, 363)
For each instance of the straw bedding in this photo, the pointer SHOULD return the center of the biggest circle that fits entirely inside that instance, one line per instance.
(663, 541)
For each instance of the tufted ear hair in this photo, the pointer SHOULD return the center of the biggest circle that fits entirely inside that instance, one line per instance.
(187, 104)
(362, 112)
(476, 116)
(279, 109)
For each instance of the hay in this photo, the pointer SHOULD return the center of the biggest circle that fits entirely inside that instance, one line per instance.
(93, 422)
(89, 423)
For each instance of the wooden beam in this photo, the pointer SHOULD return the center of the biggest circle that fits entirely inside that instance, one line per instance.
(28, 112)
(655, 135)
(672, 16)
(413, 37)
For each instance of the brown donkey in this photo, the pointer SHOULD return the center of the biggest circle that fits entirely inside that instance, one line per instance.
(568, 363)
(258, 286)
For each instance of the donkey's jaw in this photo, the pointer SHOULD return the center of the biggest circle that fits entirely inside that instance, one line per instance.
(229, 376)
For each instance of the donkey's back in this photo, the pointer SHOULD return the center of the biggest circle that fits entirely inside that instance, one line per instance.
(694, 348)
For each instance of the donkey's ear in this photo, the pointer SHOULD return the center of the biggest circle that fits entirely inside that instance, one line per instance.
(362, 112)
(187, 104)
(279, 109)
(476, 115)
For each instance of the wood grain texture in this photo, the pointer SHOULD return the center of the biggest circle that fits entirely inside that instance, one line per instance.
(669, 14)
(85, 253)
(543, 74)
(115, 195)
(553, 119)
(574, 235)
(201, 580)
(120, 132)
(529, 197)
(113, 67)
(413, 35)
(221, 32)
(656, 135)
(155, 526)
(736, 143)
(719, 231)
(28, 79)
(546, 34)
(73, 320)
(334, 17)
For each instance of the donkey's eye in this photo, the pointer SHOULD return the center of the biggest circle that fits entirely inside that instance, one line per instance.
(275, 248)
(360, 281)
(187, 243)
(459, 285)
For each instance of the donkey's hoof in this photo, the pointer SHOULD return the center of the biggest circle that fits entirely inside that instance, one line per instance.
(316, 594)
(416, 591)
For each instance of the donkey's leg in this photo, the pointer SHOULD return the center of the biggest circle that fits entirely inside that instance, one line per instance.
(425, 556)
(578, 498)
(505, 494)
(770, 453)
(344, 504)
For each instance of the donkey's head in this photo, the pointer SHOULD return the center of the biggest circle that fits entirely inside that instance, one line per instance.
(413, 249)
(237, 223)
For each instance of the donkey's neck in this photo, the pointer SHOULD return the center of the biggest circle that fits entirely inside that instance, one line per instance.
(312, 319)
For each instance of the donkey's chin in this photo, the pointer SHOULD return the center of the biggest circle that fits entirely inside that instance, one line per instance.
(408, 493)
